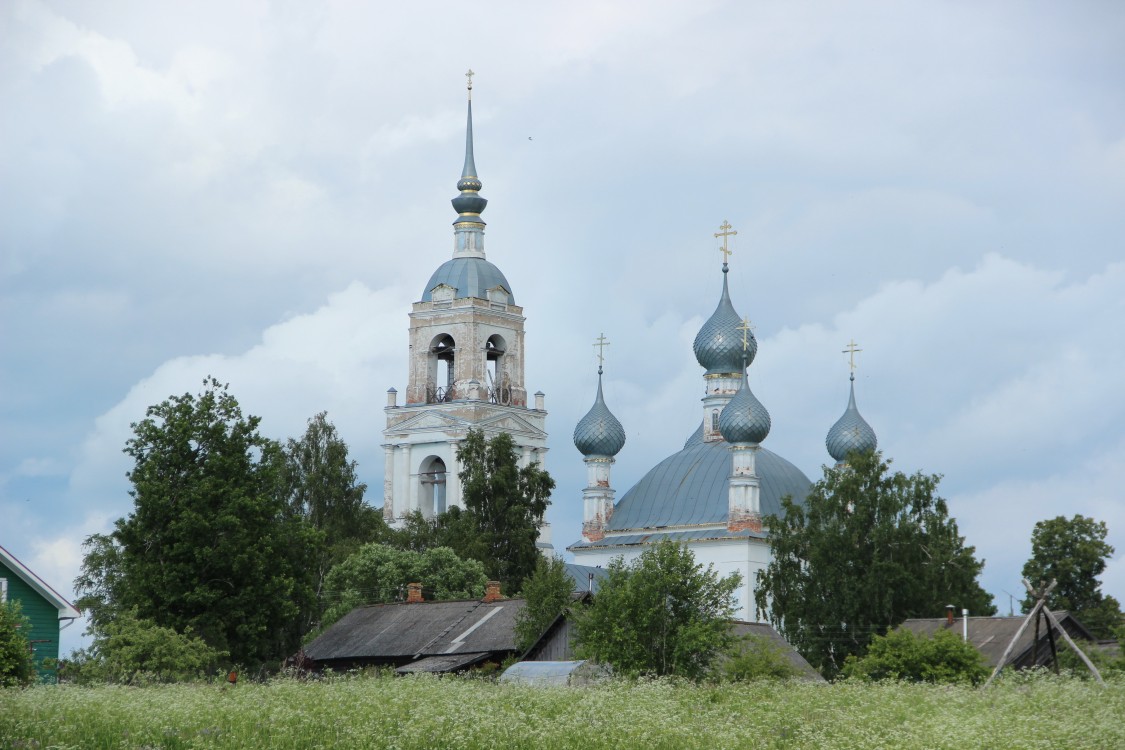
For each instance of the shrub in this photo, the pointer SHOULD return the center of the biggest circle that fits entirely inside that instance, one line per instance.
(902, 655)
(17, 666)
(757, 658)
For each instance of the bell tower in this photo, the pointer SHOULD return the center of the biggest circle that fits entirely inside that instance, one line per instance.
(466, 368)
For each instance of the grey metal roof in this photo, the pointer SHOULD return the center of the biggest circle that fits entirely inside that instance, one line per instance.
(599, 433)
(851, 433)
(690, 488)
(580, 574)
(763, 630)
(471, 277)
(676, 535)
(991, 635)
(389, 632)
(744, 418)
(556, 673)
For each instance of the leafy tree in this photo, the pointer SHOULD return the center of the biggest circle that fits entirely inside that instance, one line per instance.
(756, 658)
(379, 573)
(132, 651)
(1074, 552)
(210, 544)
(548, 591)
(504, 504)
(17, 664)
(903, 655)
(660, 614)
(321, 486)
(867, 550)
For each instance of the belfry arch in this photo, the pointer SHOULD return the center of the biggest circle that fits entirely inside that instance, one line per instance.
(432, 484)
(442, 369)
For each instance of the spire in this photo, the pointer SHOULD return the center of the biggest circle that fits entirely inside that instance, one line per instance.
(469, 203)
(851, 433)
(718, 345)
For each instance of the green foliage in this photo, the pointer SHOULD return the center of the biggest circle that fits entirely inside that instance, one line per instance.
(210, 545)
(548, 592)
(1074, 552)
(903, 655)
(379, 573)
(132, 651)
(868, 550)
(17, 663)
(661, 614)
(757, 658)
(504, 507)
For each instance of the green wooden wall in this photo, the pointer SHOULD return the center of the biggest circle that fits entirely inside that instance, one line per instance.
(44, 621)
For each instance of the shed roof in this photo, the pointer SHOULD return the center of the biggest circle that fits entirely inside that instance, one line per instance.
(766, 631)
(67, 611)
(991, 635)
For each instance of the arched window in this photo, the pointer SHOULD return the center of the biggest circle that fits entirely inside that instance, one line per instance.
(499, 388)
(715, 420)
(443, 352)
(431, 498)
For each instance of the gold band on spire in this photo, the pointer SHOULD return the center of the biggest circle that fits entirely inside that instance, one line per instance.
(725, 233)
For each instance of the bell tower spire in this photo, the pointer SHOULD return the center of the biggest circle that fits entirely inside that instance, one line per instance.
(468, 227)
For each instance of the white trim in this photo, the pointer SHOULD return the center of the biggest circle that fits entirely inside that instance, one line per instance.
(67, 611)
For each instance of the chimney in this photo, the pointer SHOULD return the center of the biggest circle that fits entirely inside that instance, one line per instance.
(392, 397)
(492, 592)
(949, 614)
(414, 593)
(539, 395)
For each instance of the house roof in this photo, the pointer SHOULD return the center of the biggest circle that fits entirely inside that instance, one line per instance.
(991, 635)
(67, 611)
(764, 630)
(407, 632)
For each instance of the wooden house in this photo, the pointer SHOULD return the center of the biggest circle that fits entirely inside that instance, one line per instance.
(991, 636)
(42, 605)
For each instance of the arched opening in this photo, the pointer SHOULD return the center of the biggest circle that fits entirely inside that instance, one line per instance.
(499, 389)
(443, 351)
(431, 498)
(715, 420)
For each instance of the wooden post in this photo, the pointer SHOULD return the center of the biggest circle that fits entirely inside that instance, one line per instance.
(1074, 646)
(1008, 651)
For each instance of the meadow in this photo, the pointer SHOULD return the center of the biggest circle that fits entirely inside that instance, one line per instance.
(426, 712)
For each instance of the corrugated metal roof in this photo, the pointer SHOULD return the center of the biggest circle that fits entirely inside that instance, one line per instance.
(396, 631)
(580, 574)
(471, 277)
(690, 488)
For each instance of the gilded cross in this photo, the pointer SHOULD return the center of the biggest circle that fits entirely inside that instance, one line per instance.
(601, 343)
(851, 352)
(746, 328)
(725, 233)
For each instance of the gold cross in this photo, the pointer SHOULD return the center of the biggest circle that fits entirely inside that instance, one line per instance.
(851, 352)
(745, 328)
(726, 251)
(601, 343)
(469, 77)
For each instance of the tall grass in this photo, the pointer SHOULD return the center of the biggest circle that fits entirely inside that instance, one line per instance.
(426, 712)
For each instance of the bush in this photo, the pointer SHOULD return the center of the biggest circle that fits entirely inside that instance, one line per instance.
(902, 655)
(757, 658)
(17, 665)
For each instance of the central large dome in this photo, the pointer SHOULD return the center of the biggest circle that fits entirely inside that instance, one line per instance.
(691, 488)
(471, 277)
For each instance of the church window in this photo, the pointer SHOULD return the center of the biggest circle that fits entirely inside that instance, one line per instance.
(441, 375)
(499, 388)
(715, 420)
(432, 475)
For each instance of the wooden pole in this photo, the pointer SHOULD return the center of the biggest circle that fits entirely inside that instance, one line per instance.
(1008, 651)
(1074, 646)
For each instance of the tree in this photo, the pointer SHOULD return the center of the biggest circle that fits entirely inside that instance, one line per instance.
(1074, 552)
(756, 657)
(661, 614)
(321, 486)
(379, 573)
(17, 664)
(548, 592)
(505, 503)
(866, 550)
(903, 655)
(210, 544)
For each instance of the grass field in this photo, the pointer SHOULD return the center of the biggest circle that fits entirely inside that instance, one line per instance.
(1044, 712)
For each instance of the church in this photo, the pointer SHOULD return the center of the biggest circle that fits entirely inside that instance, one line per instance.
(466, 371)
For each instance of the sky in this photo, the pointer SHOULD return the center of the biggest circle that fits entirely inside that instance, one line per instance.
(259, 190)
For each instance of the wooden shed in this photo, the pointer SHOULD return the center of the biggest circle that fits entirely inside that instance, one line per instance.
(42, 605)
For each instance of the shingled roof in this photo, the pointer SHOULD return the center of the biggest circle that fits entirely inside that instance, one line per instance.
(991, 636)
(419, 636)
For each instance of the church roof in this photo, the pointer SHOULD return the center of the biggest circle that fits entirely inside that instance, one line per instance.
(851, 433)
(599, 433)
(471, 277)
(691, 487)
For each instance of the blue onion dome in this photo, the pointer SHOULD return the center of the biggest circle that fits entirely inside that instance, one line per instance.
(851, 433)
(469, 203)
(599, 433)
(744, 418)
(718, 345)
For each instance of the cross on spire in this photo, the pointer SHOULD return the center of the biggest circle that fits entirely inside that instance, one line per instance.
(725, 233)
(469, 77)
(600, 343)
(746, 328)
(851, 352)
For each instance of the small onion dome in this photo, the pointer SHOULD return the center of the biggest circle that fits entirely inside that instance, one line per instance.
(744, 418)
(599, 433)
(851, 433)
(469, 203)
(718, 345)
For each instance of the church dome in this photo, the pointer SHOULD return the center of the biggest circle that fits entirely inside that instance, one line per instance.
(691, 487)
(851, 433)
(471, 277)
(718, 345)
(744, 419)
(599, 433)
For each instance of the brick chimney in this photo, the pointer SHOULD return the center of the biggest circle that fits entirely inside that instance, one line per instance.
(949, 615)
(492, 592)
(414, 593)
